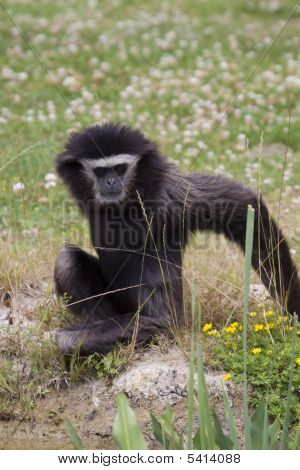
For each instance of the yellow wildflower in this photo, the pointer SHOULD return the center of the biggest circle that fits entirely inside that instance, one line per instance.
(298, 332)
(207, 327)
(258, 327)
(241, 327)
(298, 361)
(269, 313)
(235, 324)
(269, 326)
(256, 350)
(253, 314)
(282, 319)
(269, 352)
(213, 332)
(227, 376)
(230, 329)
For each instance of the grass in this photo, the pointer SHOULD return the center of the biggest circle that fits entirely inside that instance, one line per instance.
(177, 70)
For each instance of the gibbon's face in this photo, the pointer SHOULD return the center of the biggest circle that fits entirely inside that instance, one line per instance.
(111, 176)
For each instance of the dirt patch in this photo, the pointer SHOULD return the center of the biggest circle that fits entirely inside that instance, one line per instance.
(150, 383)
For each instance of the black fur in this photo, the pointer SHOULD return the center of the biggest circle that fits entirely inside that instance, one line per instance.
(135, 287)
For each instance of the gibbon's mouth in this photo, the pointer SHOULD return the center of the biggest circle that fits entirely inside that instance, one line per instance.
(111, 194)
(110, 197)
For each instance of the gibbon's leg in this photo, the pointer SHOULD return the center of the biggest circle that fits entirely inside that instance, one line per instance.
(101, 335)
(77, 275)
(223, 208)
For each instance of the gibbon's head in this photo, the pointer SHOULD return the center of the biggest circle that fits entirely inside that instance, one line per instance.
(103, 162)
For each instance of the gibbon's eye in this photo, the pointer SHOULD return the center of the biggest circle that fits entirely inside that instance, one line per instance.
(121, 169)
(99, 171)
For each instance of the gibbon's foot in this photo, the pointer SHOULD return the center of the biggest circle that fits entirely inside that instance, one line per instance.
(85, 339)
(67, 341)
(70, 341)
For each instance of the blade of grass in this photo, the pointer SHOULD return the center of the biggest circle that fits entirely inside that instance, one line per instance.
(206, 428)
(259, 427)
(286, 421)
(191, 377)
(274, 430)
(230, 419)
(266, 433)
(247, 270)
(223, 441)
(297, 438)
(73, 435)
(191, 397)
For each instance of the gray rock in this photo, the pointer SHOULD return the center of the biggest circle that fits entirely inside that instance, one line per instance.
(259, 292)
(5, 316)
(162, 377)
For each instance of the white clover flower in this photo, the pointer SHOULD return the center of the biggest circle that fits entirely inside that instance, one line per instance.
(7, 73)
(41, 37)
(50, 177)
(71, 83)
(242, 138)
(202, 145)
(69, 114)
(292, 81)
(22, 76)
(18, 187)
(50, 184)
(248, 119)
(72, 48)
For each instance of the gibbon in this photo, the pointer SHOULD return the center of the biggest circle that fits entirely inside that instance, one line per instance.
(141, 210)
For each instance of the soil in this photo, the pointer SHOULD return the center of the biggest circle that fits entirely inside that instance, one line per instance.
(150, 382)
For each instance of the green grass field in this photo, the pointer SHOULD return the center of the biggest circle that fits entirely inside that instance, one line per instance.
(215, 83)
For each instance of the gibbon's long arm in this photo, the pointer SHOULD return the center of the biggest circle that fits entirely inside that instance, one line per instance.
(220, 205)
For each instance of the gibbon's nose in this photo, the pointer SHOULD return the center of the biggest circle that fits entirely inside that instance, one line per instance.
(111, 182)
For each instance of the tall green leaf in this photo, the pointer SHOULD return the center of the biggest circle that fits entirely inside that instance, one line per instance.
(274, 431)
(191, 377)
(164, 432)
(230, 419)
(286, 421)
(222, 441)
(73, 435)
(247, 270)
(127, 433)
(206, 427)
(259, 427)
(297, 437)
